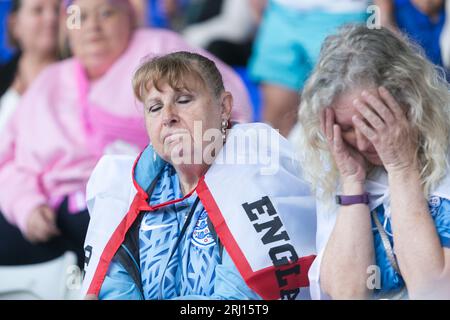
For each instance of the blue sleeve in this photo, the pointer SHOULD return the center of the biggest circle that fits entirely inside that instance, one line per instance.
(442, 222)
(118, 285)
(229, 284)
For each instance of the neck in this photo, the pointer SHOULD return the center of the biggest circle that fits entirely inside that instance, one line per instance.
(189, 176)
(36, 60)
(95, 74)
(30, 65)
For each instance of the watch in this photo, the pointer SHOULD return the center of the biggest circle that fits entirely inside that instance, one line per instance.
(355, 199)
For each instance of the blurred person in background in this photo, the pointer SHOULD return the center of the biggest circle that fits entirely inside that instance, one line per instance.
(421, 20)
(287, 46)
(225, 28)
(33, 32)
(73, 113)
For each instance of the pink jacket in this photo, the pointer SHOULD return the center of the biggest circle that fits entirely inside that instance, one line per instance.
(64, 124)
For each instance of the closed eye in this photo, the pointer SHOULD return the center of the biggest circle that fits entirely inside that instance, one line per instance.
(154, 108)
(184, 99)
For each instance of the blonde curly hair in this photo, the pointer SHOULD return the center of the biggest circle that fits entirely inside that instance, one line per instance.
(356, 57)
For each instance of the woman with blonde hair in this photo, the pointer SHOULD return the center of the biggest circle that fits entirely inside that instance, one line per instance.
(376, 115)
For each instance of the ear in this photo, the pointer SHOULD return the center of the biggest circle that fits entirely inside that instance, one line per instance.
(226, 105)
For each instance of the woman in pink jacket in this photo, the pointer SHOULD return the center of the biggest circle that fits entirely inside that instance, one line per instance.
(75, 112)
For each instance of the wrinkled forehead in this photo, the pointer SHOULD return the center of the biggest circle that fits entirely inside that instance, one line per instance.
(190, 83)
(178, 81)
(343, 106)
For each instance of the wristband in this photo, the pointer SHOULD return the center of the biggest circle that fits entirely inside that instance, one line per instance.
(355, 199)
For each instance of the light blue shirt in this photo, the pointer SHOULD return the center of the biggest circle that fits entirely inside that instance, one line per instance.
(390, 280)
(196, 270)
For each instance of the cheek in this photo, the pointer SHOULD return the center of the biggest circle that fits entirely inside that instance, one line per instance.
(350, 138)
(117, 34)
(199, 117)
(153, 131)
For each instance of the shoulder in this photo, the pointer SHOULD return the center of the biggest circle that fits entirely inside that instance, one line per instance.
(155, 32)
(55, 72)
(158, 41)
(55, 79)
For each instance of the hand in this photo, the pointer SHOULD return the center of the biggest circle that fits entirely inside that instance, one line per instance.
(41, 225)
(387, 127)
(350, 163)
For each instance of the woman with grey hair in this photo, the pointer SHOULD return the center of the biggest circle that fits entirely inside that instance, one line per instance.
(376, 115)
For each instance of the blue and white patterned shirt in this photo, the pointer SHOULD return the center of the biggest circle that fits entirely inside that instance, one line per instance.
(196, 270)
(390, 280)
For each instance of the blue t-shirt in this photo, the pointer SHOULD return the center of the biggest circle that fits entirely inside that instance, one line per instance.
(390, 280)
(421, 28)
(191, 270)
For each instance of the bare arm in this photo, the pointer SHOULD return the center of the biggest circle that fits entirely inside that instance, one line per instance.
(423, 262)
(349, 251)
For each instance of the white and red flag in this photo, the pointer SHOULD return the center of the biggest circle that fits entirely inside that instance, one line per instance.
(254, 194)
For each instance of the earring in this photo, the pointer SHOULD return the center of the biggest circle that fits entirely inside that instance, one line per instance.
(224, 129)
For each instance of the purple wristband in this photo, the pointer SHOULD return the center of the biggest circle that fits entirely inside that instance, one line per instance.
(355, 199)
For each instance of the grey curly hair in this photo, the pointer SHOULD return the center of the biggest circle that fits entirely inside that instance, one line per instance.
(356, 57)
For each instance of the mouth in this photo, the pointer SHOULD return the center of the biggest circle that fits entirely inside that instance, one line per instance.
(93, 39)
(173, 137)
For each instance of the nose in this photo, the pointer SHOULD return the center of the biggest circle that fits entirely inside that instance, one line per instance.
(362, 142)
(169, 115)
